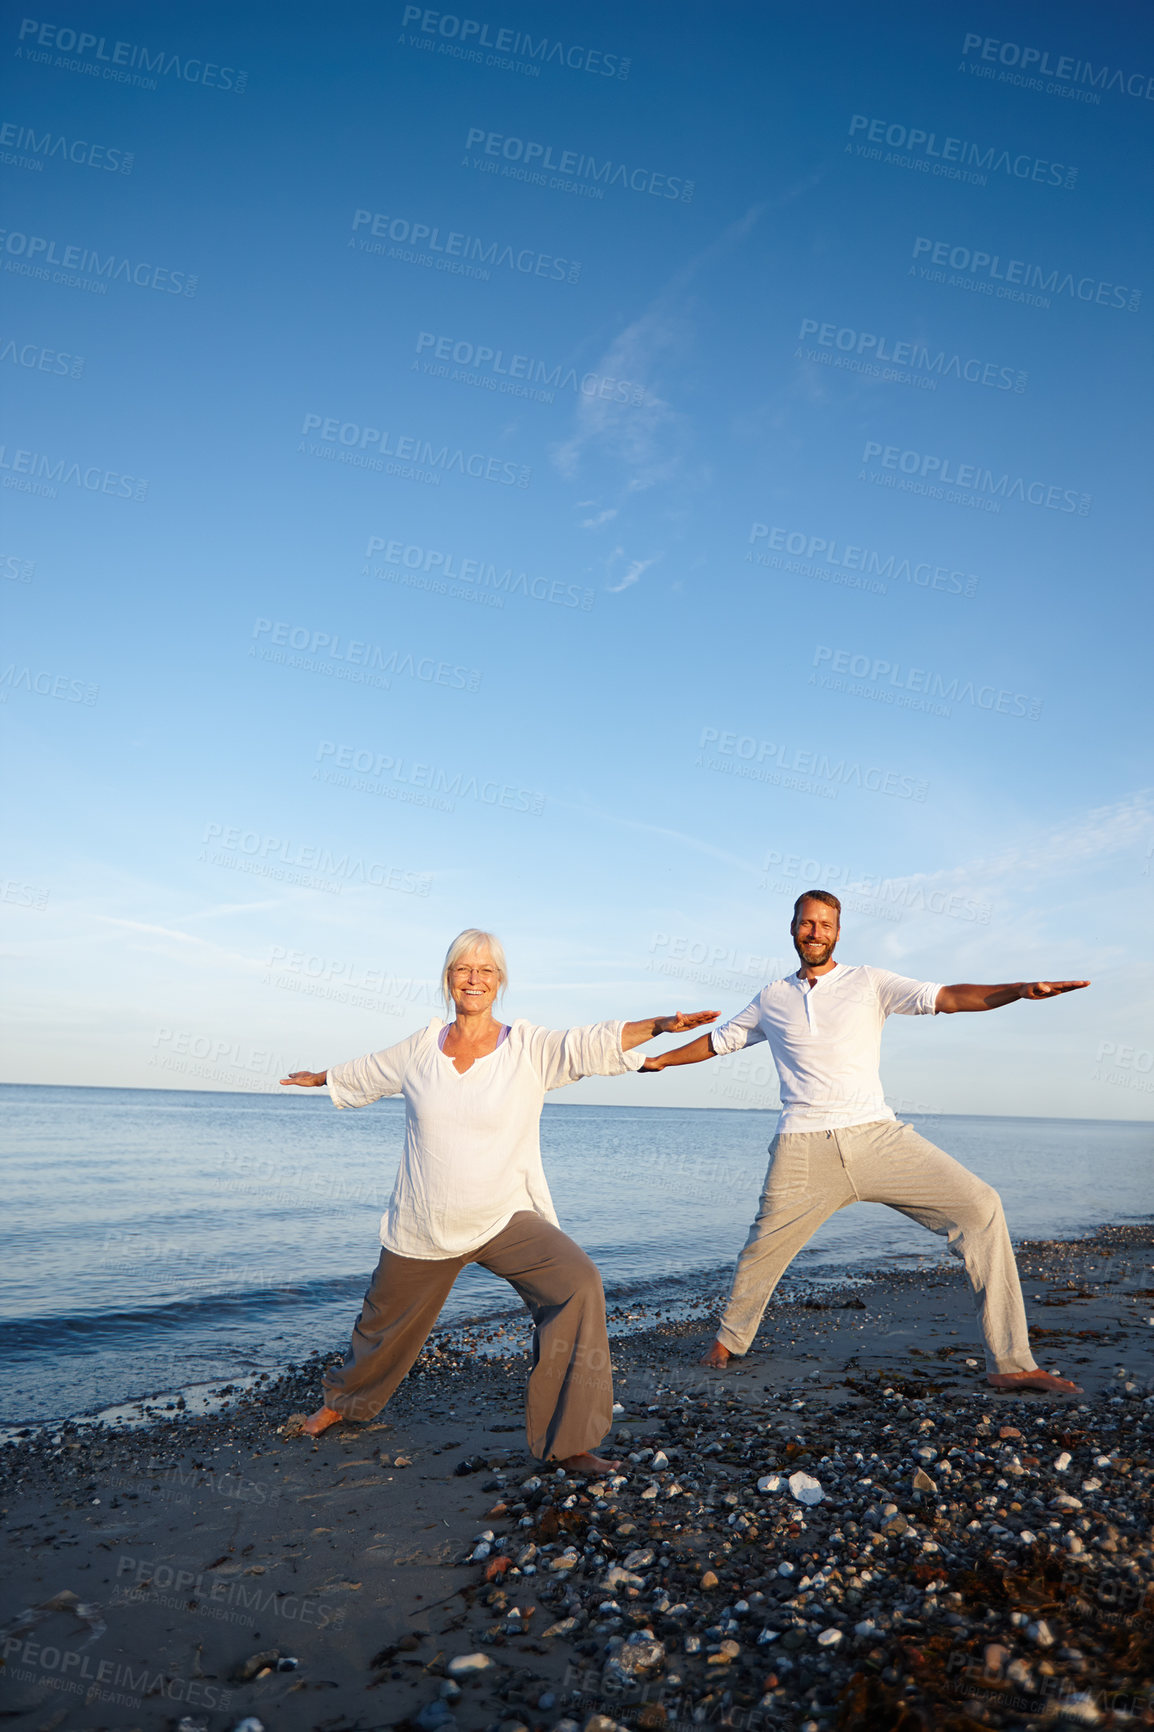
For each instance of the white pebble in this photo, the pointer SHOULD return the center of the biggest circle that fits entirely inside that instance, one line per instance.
(465, 1665)
(805, 1488)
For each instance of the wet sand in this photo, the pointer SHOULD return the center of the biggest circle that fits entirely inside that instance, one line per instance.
(976, 1559)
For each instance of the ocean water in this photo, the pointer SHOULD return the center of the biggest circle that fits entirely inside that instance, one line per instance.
(157, 1239)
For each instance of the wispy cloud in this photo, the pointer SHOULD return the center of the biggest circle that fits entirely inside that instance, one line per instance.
(1063, 852)
(635, 569)
(1102, 831)
(649, 441)
(161, 931)
(186, 943)
(667, 835)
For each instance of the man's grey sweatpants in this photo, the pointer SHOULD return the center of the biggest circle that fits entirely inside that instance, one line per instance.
(812, 1174)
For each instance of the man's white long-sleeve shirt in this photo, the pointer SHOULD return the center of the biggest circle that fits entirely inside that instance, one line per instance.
(825, 1038)
(472, 1154)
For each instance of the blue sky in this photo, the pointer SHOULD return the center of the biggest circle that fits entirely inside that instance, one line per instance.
(779, 516)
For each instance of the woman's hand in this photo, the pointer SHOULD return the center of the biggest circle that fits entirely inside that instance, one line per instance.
(637, 1033)
(683, 1019)
(306, 1079)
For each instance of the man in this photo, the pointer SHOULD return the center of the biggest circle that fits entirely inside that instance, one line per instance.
(838, 1142)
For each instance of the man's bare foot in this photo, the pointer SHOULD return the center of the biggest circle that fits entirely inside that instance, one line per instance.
(1032, 1380)
(718, 1357)
(320, 1421)
(588, 1463)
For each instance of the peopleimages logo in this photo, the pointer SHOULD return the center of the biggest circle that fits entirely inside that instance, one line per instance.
(1017, 275)
(956, 158)
(1065, 66)
(874, 894)
(125, 55)
(972, 477)
(886, 678)
(849, 557)
(472, 34)
(36, 252)
(460, 254)
(419, 784)
(46, 685)
(365, 447)
(520, 375)
(919, 355)
(438, 567)
(42, 360)
(36, 472)
(78, 150)
(335, 869)
(328, 647)
(767, 761)
(577, 165)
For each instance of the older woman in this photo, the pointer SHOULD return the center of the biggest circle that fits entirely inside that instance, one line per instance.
(471, 1189)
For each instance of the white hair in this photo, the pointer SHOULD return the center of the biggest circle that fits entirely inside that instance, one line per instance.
(473, 939)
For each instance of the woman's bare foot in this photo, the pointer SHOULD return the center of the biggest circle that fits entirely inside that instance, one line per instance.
(320, 1421)
(718, 1357)
(1032, 1380)
(588, 1463)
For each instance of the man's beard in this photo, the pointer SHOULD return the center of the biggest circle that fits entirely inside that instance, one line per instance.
(815, 961)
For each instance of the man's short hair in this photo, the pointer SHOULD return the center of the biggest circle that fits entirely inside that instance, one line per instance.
(826, 896)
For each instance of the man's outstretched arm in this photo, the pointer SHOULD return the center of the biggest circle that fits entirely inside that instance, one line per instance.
(966, 997)
(696, 1050)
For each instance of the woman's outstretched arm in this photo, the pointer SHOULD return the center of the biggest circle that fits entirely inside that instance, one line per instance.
(563, 1056)
(362, 1080)
(637, 1033)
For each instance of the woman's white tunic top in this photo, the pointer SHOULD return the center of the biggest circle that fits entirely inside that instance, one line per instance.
(472, 1155)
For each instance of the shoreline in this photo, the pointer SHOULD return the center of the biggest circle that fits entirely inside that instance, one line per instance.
(977, 1559)
(699, 1290)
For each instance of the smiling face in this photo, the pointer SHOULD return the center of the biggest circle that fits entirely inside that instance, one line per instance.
(474, 982)
(815, 930)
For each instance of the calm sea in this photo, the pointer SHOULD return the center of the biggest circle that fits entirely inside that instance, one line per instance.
(157, 1239)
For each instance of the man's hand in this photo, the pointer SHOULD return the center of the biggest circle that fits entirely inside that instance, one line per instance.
(306, 1079)
(1049, 988)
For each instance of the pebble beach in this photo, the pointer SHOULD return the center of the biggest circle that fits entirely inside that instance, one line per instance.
(848, 1529)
